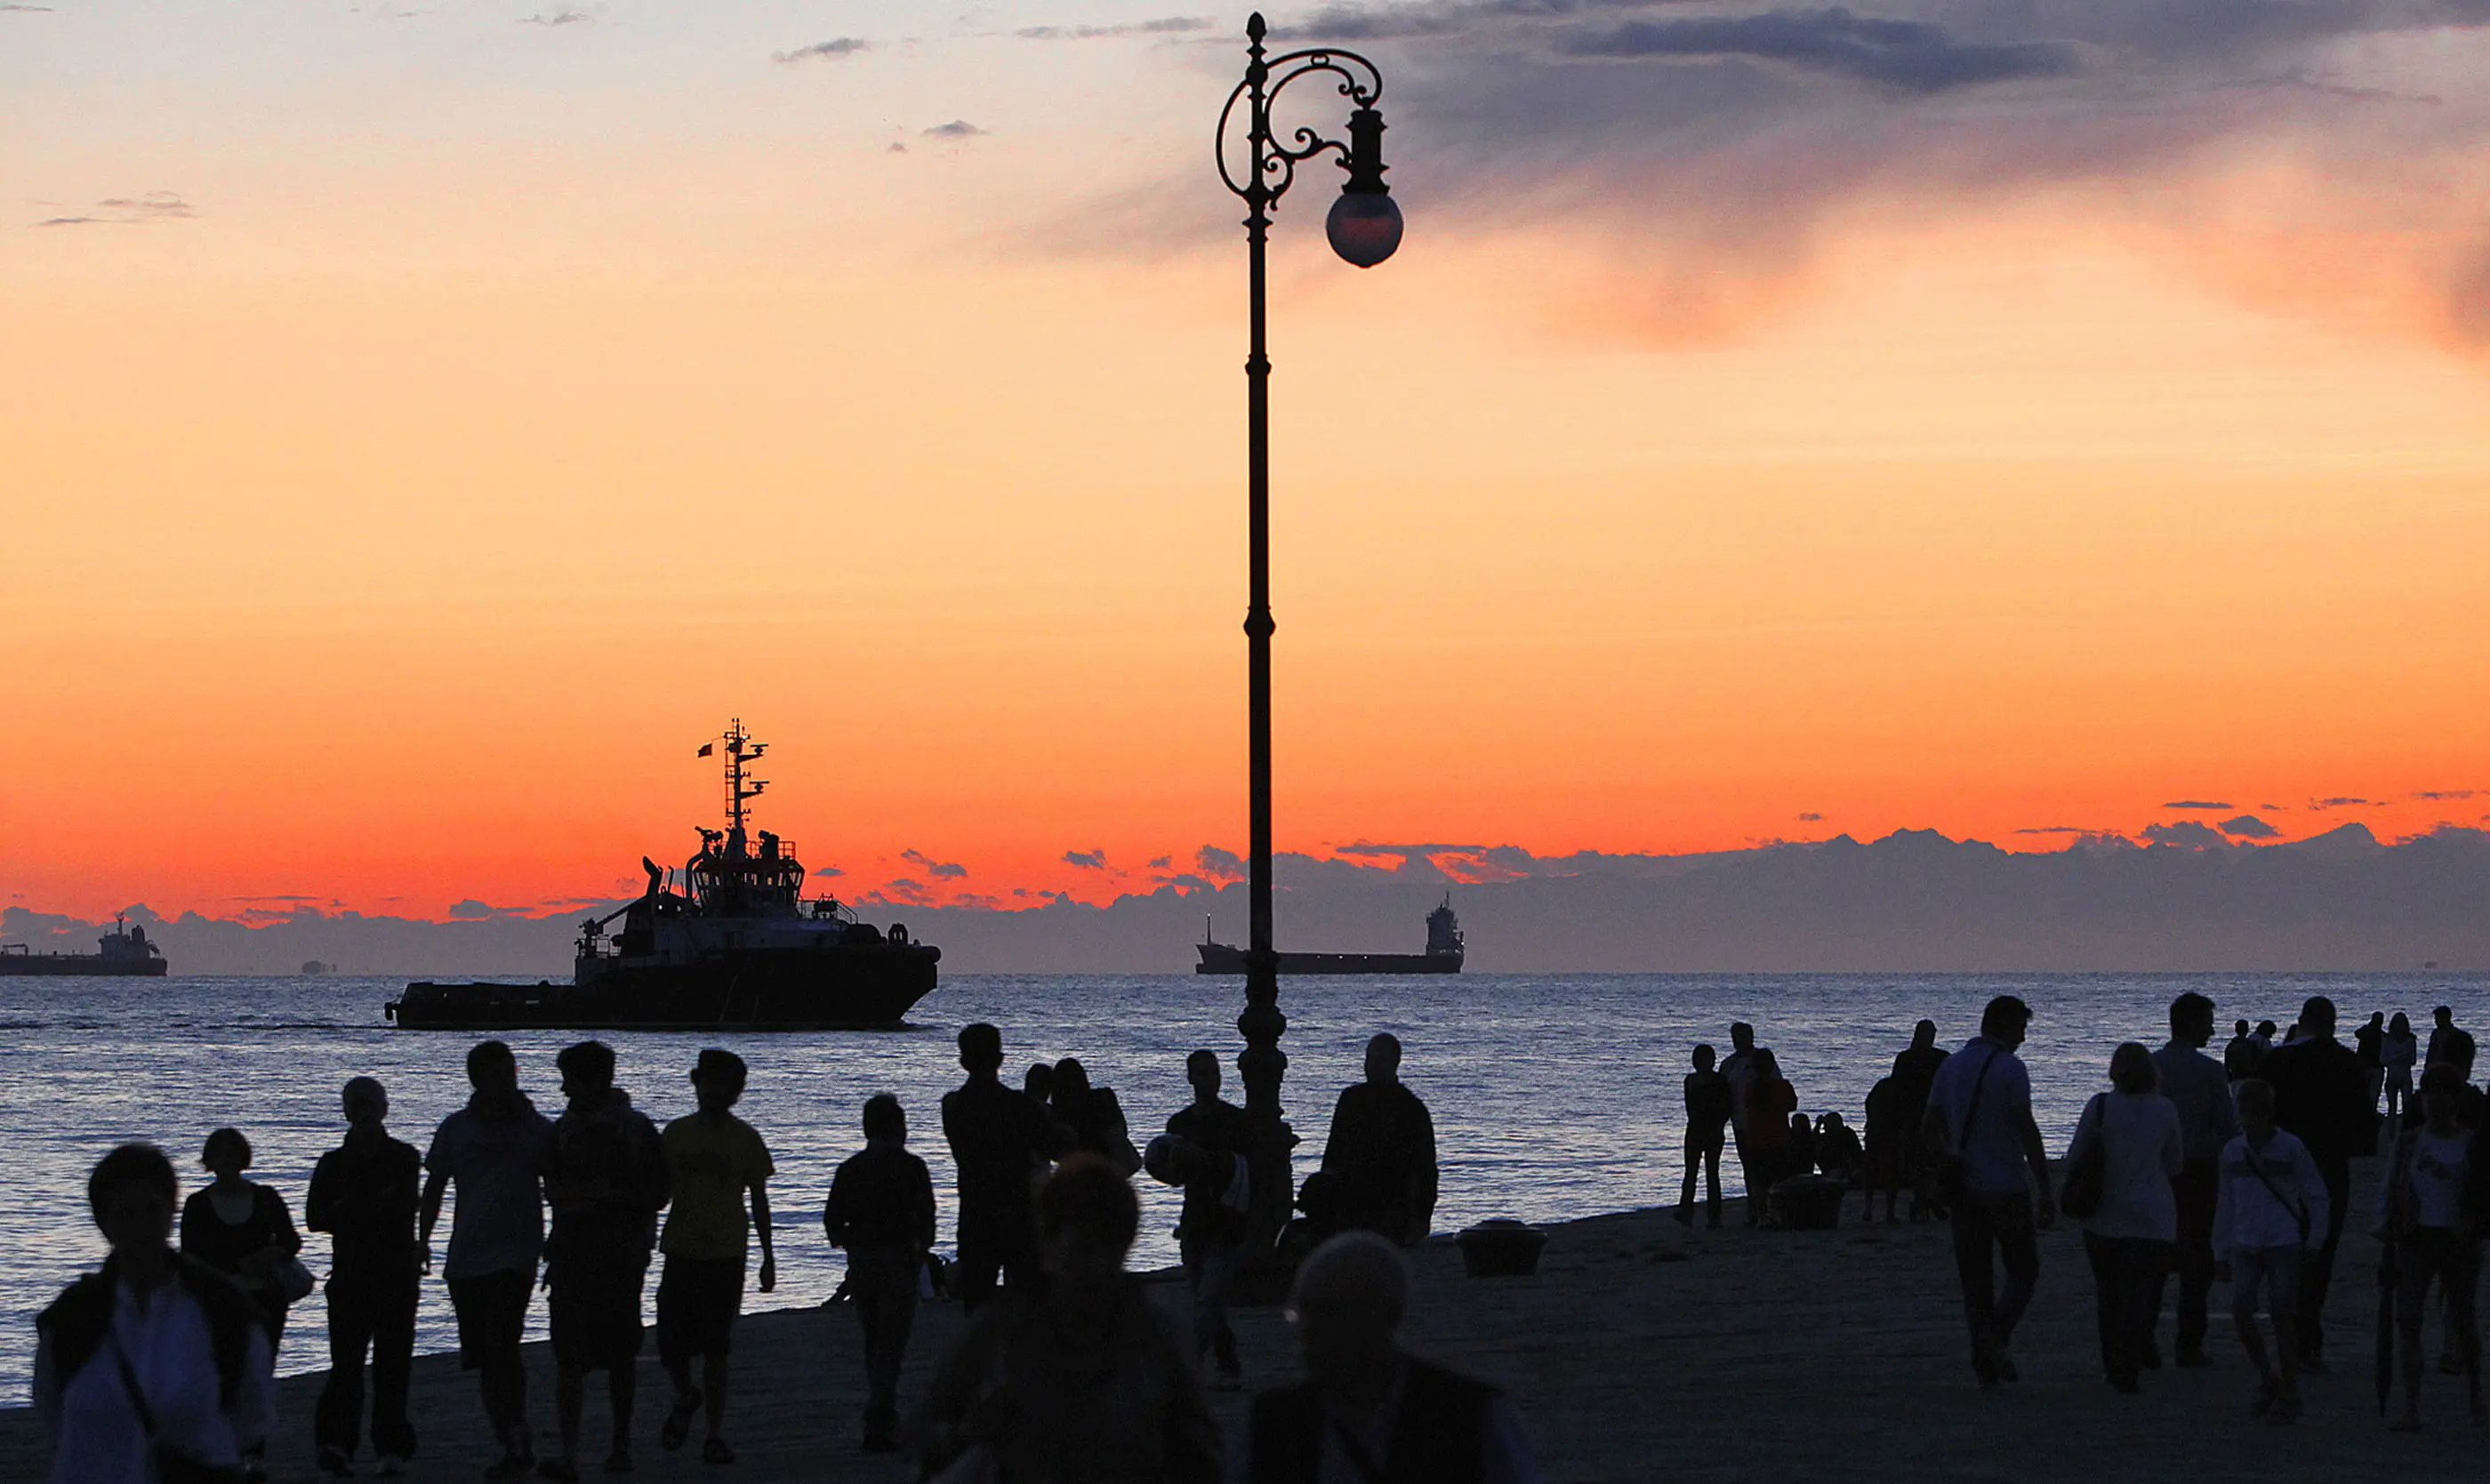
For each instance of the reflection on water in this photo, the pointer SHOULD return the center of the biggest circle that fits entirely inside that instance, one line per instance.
(1553, 1096)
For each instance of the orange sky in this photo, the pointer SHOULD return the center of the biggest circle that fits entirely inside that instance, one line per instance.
(392, 529)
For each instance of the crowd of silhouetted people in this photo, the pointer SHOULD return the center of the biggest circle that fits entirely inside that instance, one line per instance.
(158, 1365)
(2187, 1167)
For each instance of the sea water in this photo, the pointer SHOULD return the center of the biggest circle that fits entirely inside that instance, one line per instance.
(1553, 1096)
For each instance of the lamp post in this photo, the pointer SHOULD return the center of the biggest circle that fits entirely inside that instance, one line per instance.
(1364, 227)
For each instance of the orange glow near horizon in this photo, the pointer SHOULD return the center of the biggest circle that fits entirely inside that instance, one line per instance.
(406, 559)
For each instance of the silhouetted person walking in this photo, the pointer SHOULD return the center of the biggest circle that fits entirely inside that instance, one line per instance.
(714, 1162)
(2450, 1042)
(2132, 1132)
(1211, 1232)
(2199, 1087)
(1084, 1380)
(1092, 1116)
(2397, 1054)
(2430, 1206)
(1707, 1126)
(2320, 1096)
(996, 1135)
(241, 1229)
(2272, 1215)
(1381, 1152)
(1366, 1409)
(881, 1211)
(605, 1180)
(1915, 1071)
(2239, 1054)
(493, 1150)
(1738, 1068)
(155, 1351)
(1980, 1125)
(365, 1194)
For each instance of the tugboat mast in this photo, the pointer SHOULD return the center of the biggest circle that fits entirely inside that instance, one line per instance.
(740, 749)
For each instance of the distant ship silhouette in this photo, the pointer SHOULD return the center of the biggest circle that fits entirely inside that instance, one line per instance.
(126, 953)
(1443, 954)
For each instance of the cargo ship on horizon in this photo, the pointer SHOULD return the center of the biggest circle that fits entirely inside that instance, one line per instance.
(123, 954)
(738, 948)
(1443, 954)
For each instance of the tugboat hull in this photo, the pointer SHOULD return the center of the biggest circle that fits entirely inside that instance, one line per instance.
(847, 988)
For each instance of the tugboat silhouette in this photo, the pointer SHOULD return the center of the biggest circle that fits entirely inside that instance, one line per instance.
(737, 949)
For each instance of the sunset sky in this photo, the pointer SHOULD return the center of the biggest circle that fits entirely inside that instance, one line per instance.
(421, 426)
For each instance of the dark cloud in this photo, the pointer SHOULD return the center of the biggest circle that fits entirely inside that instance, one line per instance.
(470, 911)
(2197, 804)
(1219, 864)
(1165, 25)
(2247, 827)
(903, 891)
(940, 870)
(2054, 830)
(957, 129)
(2341, 801)
(830, 50)
(1356, 849)
(126, 210)
(1085, 859)
(1162, 863)
(1810, 818)
(1907, 55)
(2187, 834)
(2445, 794)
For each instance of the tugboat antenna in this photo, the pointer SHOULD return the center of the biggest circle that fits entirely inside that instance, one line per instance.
(740, 749)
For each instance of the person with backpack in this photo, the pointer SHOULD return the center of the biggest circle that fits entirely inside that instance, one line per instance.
(2125, 1152)
(1211, 1234)
(364, 1193)
(1993, 1173)
(880, 1212)
(2270, 1218)
(2429, 1211)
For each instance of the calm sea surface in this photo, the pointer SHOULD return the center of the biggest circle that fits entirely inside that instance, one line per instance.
(1553, 1097)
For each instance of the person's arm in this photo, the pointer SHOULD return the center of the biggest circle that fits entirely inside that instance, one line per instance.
(282, 1238)
(2174, 1148)
(925, 1212)
(761, 1230)
(2087, 1130)
(47, 1386)
(321, 1203)
(2037, 1155)
(2225, 1211)
(1426, 1177)
(1342, 1137)
(428, 1214)
(2313, 1196)
(834, 1211)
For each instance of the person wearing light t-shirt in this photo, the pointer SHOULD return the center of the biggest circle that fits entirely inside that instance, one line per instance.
(714, 1160)
(2426, 1207)
(1980, 1115)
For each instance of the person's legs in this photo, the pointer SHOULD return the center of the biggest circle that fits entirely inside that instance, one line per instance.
(1711, 1177)
(337, 1421)
(1973, 1237)
(2422, 1258)
(676, 1341)
(2317, 1267)
(886, 1296)
(1694, 1171)
(2018, 1249)
(2249, 1275)
(975, 1273)
(2144, 1262)
(2461, 1279)
(1749, 1172)
(2283, 1285)
(2101, 1254)
(492, 1319)
(394, 1300)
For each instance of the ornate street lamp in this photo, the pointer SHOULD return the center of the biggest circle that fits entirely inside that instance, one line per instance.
(1364, 227)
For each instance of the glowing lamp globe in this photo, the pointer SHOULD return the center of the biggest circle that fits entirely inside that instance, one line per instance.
(1364, 227)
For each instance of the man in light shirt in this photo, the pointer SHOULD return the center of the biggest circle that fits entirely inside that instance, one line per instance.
(2200, 1088)
(1980, 1116)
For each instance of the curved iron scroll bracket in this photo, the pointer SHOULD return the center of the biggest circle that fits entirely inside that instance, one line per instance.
(1273, 166)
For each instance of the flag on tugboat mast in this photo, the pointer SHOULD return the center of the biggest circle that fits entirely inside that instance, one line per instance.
(707, 748)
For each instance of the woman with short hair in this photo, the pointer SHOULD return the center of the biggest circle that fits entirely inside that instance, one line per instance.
(241, 1229)
(2132, 1131)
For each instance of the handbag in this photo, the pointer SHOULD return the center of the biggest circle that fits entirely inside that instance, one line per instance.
(1951, 1180)
(294, 1281)
(173, 1464)
(2088, 1173)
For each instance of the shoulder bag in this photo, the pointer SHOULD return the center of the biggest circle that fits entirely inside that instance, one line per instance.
(2299, 1212)
(2088, 1172)
(173, 1464)
(1951, 1180)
